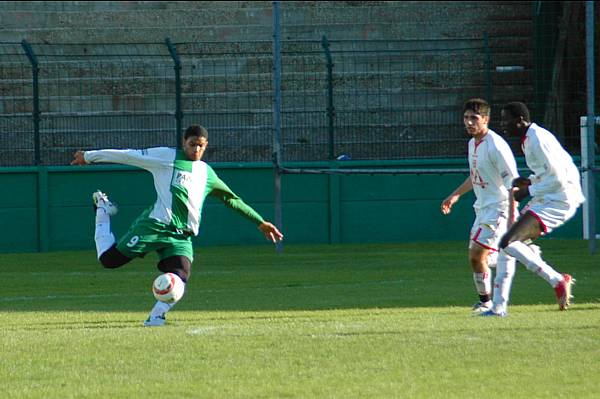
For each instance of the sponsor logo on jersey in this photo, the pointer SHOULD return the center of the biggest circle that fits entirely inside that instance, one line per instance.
(182, 179)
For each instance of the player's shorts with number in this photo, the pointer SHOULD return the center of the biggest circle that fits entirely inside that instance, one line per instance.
(489, 227)
(551, 214)
(147, 235)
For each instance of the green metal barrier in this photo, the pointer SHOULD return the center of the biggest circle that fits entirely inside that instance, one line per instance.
(49, 208)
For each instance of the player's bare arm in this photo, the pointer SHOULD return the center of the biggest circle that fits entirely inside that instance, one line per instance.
(270, 231)
(78, 158)
(453, 198)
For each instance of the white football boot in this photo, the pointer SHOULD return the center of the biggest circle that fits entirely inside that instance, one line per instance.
(482, 307)
(101, 201)
(155, 321)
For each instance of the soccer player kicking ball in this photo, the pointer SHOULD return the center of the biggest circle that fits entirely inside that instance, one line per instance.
(492, 170)
(182, 182)
(556, 194)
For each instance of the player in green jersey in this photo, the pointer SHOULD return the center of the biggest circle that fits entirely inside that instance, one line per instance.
(182, 182)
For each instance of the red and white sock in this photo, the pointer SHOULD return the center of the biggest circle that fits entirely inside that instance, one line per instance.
(483, 283)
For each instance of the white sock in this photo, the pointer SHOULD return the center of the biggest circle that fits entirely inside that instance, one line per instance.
(103, 236)
(492, 259)
(505, 271)
(533, 262)
(160, 309)
(483, 283)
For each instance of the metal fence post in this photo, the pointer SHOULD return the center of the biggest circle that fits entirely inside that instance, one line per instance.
(334, 180)
(177, 68)
(36, 98)
(591, 123)
(330, 107)
(277, 103)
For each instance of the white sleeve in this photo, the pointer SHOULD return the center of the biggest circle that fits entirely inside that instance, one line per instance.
(547, 180)
(145, 159)
(506, 164)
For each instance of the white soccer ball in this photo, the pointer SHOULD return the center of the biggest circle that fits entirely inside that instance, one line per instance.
(168, 288)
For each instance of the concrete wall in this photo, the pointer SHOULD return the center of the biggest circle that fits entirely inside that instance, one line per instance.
(197, 21)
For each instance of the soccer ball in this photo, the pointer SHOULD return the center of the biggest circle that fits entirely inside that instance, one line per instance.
(168, 288)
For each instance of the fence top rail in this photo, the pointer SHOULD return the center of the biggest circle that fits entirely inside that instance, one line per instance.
(140, 50)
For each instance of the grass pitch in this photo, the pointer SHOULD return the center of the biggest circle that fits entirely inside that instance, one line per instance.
(344, 321)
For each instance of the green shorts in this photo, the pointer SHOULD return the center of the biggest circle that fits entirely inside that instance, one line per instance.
(146, 235)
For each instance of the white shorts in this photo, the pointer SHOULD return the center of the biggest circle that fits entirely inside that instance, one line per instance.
(550, 214)
(489, 227)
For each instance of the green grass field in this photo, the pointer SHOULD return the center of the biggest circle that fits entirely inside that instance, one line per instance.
(344, 321)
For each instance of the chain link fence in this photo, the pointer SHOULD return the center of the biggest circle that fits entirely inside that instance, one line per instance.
(17, 136)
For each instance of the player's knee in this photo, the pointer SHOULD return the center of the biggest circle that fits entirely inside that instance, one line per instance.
(112, 258)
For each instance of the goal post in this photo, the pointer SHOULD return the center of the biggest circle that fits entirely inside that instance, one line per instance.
(588, 170)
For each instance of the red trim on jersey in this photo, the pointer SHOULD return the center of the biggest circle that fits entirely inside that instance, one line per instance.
(480, 141)
(539, 219)
(479, 243)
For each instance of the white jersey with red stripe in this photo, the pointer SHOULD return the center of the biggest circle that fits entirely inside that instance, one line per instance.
(555, 176)
(492, 168)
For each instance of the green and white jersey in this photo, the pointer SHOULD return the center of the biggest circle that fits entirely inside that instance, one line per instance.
(181, 185)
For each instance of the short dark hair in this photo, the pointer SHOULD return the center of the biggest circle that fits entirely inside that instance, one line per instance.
(517, 109)
(196, 131)
(477, 105)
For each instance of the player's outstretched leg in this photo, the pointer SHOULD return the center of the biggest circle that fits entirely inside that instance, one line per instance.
(515, 243)
(104, 209)
(562, 283)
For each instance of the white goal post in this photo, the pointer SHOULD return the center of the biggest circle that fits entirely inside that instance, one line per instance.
(588, 181)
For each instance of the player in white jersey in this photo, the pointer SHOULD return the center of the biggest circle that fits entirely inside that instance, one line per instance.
(182, 182)
(556, 194)
(492, 170)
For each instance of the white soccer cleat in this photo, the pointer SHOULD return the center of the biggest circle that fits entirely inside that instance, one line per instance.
(156, 321)
(101, 201)
(481, 307)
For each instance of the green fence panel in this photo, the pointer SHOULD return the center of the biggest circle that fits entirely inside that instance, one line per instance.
(19, 210)
(356, 208)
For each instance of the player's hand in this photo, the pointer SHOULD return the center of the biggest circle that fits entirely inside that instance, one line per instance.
(271, 232)
(78, 159)
(521, 188)
(448, 202)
